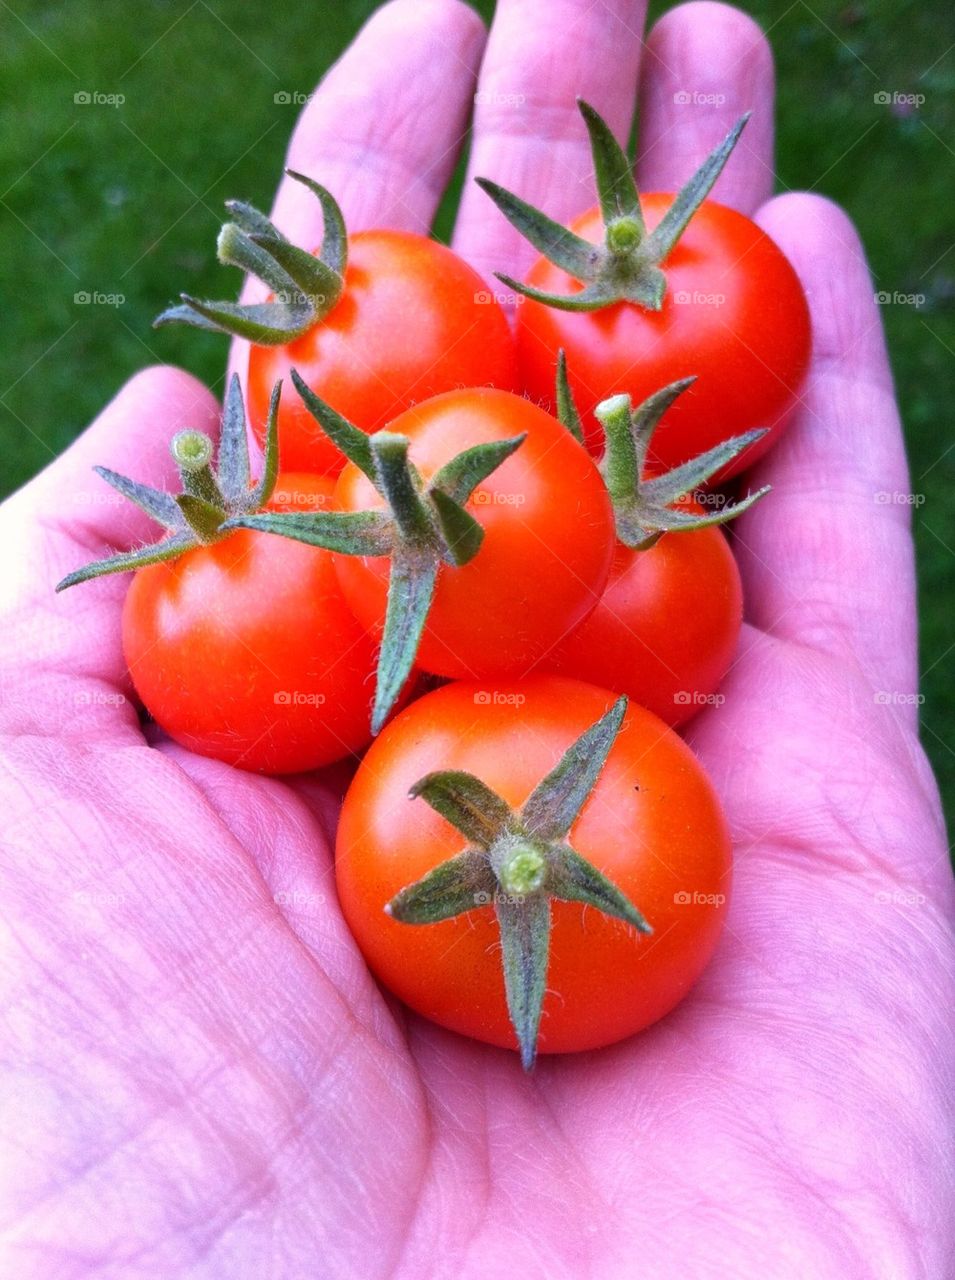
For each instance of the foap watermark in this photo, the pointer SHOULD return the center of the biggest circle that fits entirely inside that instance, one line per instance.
(498, 698)
(498, 98)
(900, 898)
(485, 297)
(688, 898)
(897, 698)
(697, 298)
(298, 898)
(694, 98)
(485, 899)
(893, 298)
(899, 498)
(295, 298)
(291, 98)
(98, 898)
(88, 498)
(488, 498)
(885, 98)
(94, 98)
(300, 499)
(706, 499)
(298, 698)
(96, 298)
(693, 698)
(98, 698)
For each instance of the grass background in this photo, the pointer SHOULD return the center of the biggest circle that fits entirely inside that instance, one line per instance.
(118, 200)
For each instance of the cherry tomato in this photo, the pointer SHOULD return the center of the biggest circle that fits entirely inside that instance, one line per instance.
(666, 628)
(414, 320)
(548, 537)
(734, 315)
(652, 824)
(245, 649)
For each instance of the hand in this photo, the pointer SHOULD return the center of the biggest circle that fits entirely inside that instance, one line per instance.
(202, 1078)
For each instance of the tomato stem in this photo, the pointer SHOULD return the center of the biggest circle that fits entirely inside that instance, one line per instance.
(304, 286)
(210, 498)
(524, 870)
(423, 527)
(626, 267)
(646, 508)
(518, 861)
(621, 467)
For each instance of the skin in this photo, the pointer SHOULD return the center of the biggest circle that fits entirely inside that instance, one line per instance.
(414, 320)
(666, 628)
(548, 540)
(205, 1079)
(652, 824)
(734, 315)
(246, 650)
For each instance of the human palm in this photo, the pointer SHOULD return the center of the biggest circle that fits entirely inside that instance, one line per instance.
(202, 1077)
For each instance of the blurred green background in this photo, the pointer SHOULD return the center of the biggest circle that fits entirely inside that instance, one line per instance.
(120, 200)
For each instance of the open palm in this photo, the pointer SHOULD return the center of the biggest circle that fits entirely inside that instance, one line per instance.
(202, 1079)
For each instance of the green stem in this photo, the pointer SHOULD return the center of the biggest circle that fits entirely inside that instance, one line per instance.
(523, 871)
(390, 454)
(623, 236)
(621, 466)
(192, 451)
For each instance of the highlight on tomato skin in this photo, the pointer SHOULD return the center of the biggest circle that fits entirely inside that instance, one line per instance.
(652, 824)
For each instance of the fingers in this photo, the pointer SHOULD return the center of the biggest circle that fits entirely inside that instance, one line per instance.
(705, 65)
(79, 513)
(528, 134)
(384, 128)
(827, 557)
(65, 518)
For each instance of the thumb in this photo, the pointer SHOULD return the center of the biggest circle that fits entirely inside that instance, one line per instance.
(64, 518)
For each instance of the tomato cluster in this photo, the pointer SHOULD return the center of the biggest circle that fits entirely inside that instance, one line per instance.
(519, 515)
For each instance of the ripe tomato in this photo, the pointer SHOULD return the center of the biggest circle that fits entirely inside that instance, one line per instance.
(652, 824)
(734, 314)
(548, 544)
(245, 649)
(666, 628)
(414, 320)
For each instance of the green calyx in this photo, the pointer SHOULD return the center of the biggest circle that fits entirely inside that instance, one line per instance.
(517, 862)
(423, 527)
(211, 497)
(305, 286)
(645, 509)
(626, 267)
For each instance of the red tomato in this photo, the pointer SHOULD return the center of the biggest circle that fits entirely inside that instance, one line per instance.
(548, 544)
(652, 824)
(414, 320)
(245, 649)
(734, 315)
(666, 628)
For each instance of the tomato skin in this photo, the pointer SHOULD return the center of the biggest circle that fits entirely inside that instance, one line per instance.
(666, 628)
(214, 639)
(652, 824)
(734, 316)
(414, 320)
(548, 545)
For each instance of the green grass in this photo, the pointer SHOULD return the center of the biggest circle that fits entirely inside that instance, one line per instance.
(126, 200)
